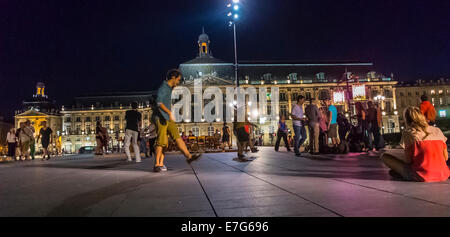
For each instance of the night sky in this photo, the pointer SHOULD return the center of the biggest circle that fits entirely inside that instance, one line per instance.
(83, 47)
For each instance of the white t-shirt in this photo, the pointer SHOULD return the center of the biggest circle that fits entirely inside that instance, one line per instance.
(297, 111)
(11, 137)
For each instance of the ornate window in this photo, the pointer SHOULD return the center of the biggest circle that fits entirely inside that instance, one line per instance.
(293, 76)
(196, 131)
(320, 76)
(210, 131)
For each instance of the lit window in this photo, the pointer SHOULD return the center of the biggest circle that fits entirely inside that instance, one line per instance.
(442, 113)
(433, 92)
(441, 101)
(440, 92)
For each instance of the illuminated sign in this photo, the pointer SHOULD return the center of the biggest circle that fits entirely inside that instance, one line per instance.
(442, 113)
(338, 97)
(359, 92)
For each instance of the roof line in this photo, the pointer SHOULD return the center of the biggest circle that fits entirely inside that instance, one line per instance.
(280, 65)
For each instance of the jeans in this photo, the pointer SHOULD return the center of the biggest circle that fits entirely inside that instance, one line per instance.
(143, 146)
(299, 137)
(130, 134)
(280, 135)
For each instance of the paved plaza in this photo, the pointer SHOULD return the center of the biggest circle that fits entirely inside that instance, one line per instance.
(271, 184)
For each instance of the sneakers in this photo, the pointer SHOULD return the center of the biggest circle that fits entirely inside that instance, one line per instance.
(138, 161)
(163, 168)
(194, 157)
(298, 154)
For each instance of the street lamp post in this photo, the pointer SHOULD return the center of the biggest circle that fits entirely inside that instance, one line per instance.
(234, 17)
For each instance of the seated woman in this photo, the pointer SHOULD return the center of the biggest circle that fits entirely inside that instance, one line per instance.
(425, 151)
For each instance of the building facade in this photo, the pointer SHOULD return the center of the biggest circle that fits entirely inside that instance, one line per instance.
(438, 93)
(344, 82)
(40, 108)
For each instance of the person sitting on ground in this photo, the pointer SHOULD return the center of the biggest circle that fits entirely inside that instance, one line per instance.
(425, 151)
(427, 109)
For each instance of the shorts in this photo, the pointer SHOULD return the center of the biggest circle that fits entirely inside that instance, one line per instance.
(333, 131)
(164, 131)
(25, 146)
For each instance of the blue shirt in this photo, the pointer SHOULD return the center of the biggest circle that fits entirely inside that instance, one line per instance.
(333, 110)
(164, 97)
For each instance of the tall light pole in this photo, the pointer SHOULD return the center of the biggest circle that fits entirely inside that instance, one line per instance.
(233, 13)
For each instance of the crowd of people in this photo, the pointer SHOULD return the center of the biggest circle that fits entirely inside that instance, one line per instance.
(22, 141)
(422, 159)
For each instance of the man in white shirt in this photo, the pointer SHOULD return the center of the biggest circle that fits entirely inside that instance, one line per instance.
(299, 129)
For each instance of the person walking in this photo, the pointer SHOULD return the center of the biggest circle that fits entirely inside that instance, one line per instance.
(32, 141)
(332, 123)
(428, 110)
(165, 121)
(99, 136)
(424, 156)
(361, 116)
(11, 139)
(372, 126)
(297, 122)
(313, 115)
(282, 133)
(46, 134)
(226, 136)
(143, 139)
(25, 137)
(133, 122)
(323, 128)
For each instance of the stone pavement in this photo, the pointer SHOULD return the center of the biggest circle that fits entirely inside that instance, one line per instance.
(272, 184)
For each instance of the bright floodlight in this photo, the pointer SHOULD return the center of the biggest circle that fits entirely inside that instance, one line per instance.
(236, 16)
(229, 14)
(234, 102)
(229, 5)
(236, 7)
(235, 1)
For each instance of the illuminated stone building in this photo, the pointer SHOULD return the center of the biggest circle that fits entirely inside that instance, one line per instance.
(321, 80)
(40, 108)
(438, 92)
(79, 120)
(312, 80)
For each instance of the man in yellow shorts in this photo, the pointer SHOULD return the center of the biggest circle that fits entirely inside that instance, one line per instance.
(165, 122)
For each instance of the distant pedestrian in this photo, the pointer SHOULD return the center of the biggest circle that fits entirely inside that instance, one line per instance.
(298, 124)
(11, 139)
(282, 133)
(226, 136)
(46, 134)
(372, 126)
(313, 115)
(165, 121)
(32, 141)
(332, 123)
(100, 136)
(143, 140)
(361, 116)
(427, 109)
(134, 121)
(425, 151)
(25, 137)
